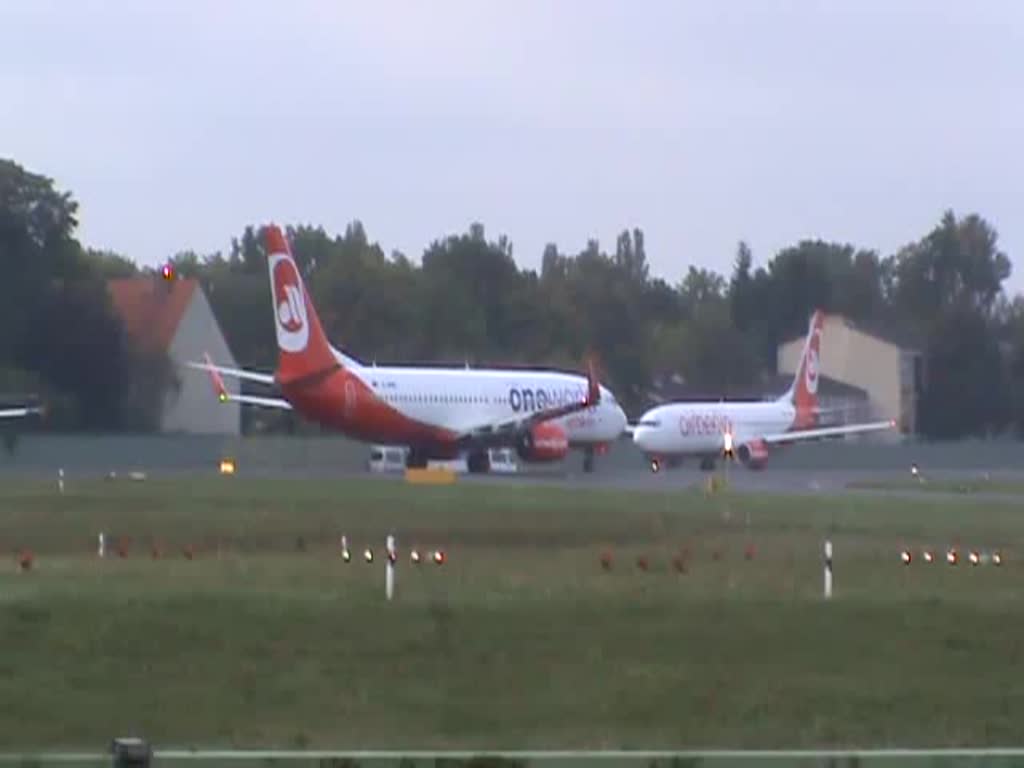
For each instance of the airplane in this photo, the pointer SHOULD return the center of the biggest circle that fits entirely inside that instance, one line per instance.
(743, 430)
(438, 413)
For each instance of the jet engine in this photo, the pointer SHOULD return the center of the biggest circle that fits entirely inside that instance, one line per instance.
(543, 442)
(753, 454)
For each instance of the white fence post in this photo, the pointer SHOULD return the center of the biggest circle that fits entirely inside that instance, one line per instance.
(828, 569)
(389, 565)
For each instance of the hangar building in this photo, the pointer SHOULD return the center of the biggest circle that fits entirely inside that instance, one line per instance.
(884, 367)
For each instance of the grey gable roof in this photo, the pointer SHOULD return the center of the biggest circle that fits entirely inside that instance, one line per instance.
(895, 334)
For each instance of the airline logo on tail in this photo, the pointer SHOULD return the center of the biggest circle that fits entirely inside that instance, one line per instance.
(811, 375)
(290, 304)
(804, 392)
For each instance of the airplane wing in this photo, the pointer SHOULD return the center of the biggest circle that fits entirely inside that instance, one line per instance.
(265, 402)
(14, 413)
(237, 373)
(824, 432)
(226, 397)
(501, 432)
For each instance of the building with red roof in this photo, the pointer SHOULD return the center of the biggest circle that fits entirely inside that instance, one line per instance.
(173, 316)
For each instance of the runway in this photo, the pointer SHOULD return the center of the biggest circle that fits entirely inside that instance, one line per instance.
(827, 469)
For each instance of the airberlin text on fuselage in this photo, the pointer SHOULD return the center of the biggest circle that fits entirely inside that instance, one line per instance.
(527, 399)
(704, 424)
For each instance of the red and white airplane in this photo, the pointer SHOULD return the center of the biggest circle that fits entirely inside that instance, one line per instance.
(439, 413)
(709, 430)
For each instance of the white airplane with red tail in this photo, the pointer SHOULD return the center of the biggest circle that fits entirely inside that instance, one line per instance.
(439, 413)
(746, 431)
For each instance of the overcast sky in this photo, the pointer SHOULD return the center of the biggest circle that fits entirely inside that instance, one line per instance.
(175, 124)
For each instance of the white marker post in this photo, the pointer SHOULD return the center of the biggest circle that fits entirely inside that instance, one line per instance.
(60, 480)
(828, 569)
(389, 566)
(101, 548)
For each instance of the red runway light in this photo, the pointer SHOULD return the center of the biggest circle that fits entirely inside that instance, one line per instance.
(439, 557)
(415, 557)
(905, 556)
(974, 557)
(952, 557)
(997, 558)
(928, 556)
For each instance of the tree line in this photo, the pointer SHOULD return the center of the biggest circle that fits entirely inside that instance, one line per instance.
(468, 302)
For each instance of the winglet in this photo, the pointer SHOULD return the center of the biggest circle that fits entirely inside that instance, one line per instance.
(593, 385)
(216, 379)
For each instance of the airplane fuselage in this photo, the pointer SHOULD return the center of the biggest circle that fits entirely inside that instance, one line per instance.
(679, 429)
(429, 406)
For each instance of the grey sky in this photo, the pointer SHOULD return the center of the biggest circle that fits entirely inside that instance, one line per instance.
(175, 124)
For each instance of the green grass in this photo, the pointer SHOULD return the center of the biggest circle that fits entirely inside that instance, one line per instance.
(521, 640)
(943, 485)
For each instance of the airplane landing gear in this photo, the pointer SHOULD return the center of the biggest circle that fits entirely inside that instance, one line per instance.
(416, 459)
(478, 463)
(588, 460)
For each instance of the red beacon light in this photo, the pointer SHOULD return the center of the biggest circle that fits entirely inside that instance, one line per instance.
(439, 557)
(167, 272)
(905, 556)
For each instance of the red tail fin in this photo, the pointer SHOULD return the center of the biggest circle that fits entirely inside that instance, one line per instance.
(593, 385)
(302, 347)
(805, 384)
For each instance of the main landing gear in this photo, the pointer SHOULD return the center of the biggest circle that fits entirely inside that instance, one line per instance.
(416, 459)
(588, 460)
(478, 463)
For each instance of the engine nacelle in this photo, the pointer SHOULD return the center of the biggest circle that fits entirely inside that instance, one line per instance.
(753, 454)
(543, 442)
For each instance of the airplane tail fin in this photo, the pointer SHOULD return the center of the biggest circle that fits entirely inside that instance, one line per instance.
(593, 384)
(803, 392)
(302, 347)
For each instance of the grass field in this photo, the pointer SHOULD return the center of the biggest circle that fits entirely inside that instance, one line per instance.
(943, 485)
(521, 640)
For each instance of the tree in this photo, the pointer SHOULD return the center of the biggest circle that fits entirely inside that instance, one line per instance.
(946, 286)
